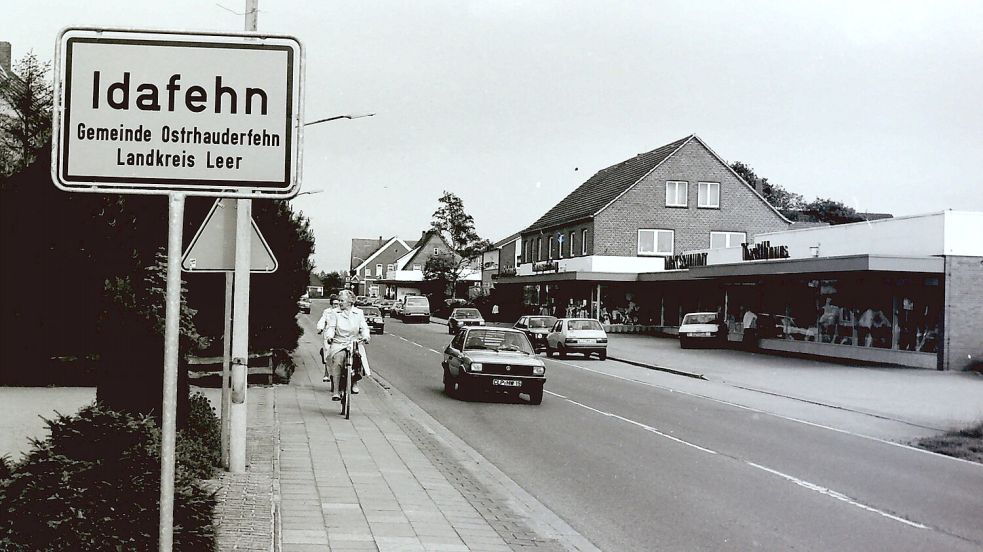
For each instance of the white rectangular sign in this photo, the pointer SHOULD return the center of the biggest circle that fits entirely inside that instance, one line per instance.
(162, 111)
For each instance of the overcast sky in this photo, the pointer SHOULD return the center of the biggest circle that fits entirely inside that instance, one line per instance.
(513, 104)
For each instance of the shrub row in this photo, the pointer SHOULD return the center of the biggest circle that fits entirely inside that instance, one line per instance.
(94, 484)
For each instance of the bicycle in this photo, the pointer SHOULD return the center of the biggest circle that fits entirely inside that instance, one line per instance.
(347, 379)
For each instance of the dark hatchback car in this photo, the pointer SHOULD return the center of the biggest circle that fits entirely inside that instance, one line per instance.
(536, 328)
(460, 318)
(498, 360)
(373, 317)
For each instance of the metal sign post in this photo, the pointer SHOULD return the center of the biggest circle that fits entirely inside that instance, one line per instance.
(182, 114)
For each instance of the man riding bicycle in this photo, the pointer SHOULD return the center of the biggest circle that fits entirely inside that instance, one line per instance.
(344, 326)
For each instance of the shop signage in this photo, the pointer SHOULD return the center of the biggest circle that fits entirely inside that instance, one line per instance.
(763, 251)
(548, 266)
(686, 260)
(163, 111)
(505, 272)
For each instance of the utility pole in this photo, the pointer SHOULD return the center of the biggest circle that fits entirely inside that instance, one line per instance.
(240, 315)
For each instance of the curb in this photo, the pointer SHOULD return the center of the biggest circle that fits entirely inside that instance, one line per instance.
(659, 368)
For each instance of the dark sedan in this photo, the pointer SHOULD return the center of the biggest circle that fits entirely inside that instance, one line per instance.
(373, 317)
(536, 328)
(499, 360)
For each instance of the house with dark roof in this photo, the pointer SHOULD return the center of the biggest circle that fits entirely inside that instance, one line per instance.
(408, 277)
(629, 218)
(373, 260)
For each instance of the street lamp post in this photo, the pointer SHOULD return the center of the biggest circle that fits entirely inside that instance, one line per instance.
(336, 117)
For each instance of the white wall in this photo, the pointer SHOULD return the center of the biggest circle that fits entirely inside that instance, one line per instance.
(602, 263)
(963, 233)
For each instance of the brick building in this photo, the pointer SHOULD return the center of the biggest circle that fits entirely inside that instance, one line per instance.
(373, 260)
(585, 254)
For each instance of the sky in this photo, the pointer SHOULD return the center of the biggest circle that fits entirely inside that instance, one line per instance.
(513, 104)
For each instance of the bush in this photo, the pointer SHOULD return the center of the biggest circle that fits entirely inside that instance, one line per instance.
(94, 484)
(199, 443)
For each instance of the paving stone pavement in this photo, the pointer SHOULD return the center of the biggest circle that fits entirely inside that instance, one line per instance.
(391, 479)
(244, 514)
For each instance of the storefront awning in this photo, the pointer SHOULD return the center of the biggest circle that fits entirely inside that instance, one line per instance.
(848, 263)
(548, 277)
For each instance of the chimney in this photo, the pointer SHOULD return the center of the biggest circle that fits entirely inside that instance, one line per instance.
(759, 186)
(5, 56)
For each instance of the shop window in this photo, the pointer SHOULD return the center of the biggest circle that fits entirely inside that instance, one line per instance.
(727, 239)
(655, 242)
(709, 195)
(583, 242)
(676, 193)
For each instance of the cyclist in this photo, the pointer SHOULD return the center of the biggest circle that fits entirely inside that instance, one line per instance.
(344, 326)
(321, 324)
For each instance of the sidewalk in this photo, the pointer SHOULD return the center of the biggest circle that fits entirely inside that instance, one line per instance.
(388, 479)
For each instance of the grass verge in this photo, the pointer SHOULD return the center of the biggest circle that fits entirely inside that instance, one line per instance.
(965, 443)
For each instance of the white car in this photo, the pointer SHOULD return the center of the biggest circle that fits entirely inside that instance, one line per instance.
(577, 335)
(701, 327)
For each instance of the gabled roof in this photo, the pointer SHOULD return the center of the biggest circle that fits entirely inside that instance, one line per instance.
(378, 250)
(604, 187)
(427, 234)
(505, 241)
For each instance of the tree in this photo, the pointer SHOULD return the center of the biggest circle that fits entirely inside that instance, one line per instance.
(787, 203)
(828, 210)
(440, 271)
(27, 130)
(456, 226)
(331, 281)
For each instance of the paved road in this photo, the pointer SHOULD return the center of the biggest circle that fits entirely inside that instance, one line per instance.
(635, 466)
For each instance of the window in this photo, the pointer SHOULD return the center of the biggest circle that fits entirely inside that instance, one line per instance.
(708, 195)
(539, 249)
(676, 193)
(378, 270)
(549, 252)
(368, 272)
(559, 245)
(436, 251)
(573, 250)
(655, 242)
(726, 239)
(417, 266)
(390, 268)
(583, 241)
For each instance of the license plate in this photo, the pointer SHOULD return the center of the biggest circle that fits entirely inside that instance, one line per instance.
(586, 341)
(702, 334)
(507, 383)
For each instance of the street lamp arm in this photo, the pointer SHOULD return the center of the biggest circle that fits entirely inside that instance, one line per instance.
(336, 117)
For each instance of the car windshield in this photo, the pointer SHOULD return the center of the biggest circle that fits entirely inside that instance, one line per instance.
(546, 322)
(700, 318)
(584, 325)
(498, 340)
(466, 313)
(416, 300)
(371, 311)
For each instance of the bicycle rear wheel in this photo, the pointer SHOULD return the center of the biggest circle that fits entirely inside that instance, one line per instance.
(347, 405)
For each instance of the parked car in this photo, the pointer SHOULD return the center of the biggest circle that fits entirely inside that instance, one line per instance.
(536, 328)
(304, 304)
(577, 335)
(701, 327)
(373, 317)
(463, 317)
(361, 300)
(415, 307)
(385, 305)
(497, 360)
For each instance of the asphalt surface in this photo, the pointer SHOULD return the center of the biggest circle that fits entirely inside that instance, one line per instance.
(636, 466)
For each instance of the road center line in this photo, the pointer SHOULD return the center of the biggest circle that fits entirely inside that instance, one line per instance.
(834, 494)
(643, 426)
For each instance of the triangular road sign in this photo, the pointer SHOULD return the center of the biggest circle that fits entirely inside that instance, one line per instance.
(214, 246)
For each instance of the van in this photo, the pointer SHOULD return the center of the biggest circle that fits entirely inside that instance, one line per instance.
(415, 307)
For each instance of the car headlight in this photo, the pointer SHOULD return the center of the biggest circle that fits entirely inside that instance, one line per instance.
(538, 370)
(377, 320)
(476, 366)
